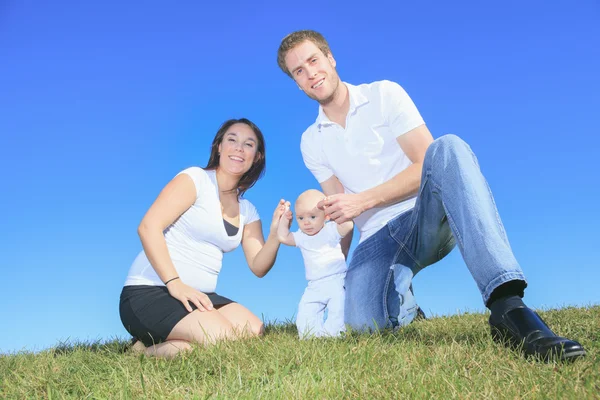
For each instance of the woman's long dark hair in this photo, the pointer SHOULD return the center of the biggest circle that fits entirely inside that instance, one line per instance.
(257, 170)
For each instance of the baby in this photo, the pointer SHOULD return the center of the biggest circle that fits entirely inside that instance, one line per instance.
(324, 264)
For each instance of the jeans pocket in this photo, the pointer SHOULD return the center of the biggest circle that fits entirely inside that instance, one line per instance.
(400, 226)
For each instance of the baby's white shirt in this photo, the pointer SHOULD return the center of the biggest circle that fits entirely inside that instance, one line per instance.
(322, 252)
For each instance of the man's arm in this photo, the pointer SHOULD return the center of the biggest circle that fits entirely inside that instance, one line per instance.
(414, 144)
(345, 207)
(331, 187)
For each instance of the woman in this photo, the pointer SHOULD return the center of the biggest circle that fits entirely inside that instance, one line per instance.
(169, 299)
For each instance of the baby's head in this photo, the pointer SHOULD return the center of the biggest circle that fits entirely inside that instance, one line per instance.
(310, 219)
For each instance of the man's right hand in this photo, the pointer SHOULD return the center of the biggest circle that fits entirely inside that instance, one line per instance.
(186, 294)
(343, 207)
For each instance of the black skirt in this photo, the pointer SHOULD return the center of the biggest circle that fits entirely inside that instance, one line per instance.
(149, 313)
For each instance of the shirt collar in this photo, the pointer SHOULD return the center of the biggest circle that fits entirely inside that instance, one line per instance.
(357, 99)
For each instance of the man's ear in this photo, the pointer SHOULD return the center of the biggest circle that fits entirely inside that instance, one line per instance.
(331, 60)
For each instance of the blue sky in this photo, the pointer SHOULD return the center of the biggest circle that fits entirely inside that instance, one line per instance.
(102, 103)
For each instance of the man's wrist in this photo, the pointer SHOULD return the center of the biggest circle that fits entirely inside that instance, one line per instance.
(366, 201)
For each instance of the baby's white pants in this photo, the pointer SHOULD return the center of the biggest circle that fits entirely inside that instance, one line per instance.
(323, 293)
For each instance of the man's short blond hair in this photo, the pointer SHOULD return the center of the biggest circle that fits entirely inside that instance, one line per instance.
(294, 39)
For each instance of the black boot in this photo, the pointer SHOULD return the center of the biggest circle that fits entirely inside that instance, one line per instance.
(420, 315)
(522, 328)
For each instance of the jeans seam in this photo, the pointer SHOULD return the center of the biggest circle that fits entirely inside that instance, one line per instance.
(386, 314)
(404, 248)
(421, 188)
(453, 225)
(445, 245)
(415, 211)
(489, 189)
(455, 231)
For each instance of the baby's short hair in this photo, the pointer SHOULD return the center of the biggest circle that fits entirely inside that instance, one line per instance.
(309, 196)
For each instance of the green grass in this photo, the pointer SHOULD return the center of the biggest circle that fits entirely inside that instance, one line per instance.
(441, 358)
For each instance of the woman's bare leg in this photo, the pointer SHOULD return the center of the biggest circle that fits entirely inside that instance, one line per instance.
(243, 321)
(167, 349)
(229, 322)
(202, 327)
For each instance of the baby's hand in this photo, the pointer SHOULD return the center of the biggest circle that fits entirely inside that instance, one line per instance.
(287, 214)
(286, 218)
(283, 228)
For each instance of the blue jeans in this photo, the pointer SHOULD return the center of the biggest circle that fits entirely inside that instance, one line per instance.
(454, 206)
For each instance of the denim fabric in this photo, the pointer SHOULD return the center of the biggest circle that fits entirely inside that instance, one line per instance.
(454, 206)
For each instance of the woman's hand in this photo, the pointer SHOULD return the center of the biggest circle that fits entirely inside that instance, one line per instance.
(283, 227)
(281, 208)
(186, 294)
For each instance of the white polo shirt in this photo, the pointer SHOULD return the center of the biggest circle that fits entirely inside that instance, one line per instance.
(366, 153)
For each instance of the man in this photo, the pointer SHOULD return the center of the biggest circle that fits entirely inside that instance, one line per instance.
(412, 198)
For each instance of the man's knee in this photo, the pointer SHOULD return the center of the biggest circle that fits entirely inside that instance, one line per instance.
(366, 323)
(362, 316)
(450, 143)
(450, 153)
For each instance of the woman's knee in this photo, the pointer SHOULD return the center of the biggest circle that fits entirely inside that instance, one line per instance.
(244, 322)
(254, 326)
(202, 327)
(258, 328)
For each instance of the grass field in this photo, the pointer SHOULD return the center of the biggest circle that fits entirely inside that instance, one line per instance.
(441, 358)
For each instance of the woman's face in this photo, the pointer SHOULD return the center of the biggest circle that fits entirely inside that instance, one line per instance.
(238, 149)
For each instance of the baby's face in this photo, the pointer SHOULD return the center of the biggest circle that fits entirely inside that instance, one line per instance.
(310, 219)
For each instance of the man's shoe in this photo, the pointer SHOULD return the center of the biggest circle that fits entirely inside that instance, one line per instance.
(523, 328)
(420, 315)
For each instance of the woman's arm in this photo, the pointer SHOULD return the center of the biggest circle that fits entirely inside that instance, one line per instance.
(261, 255)
(173, 200)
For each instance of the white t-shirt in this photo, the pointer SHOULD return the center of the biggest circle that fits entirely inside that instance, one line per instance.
(197, 239)
(366, 153)
(321, 252)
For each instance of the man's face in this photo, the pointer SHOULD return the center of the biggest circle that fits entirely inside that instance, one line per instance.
(313, 71)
